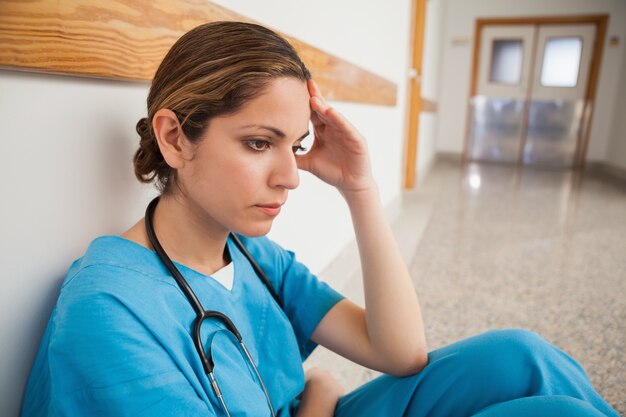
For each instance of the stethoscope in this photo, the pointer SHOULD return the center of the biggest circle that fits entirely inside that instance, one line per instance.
(202, 314)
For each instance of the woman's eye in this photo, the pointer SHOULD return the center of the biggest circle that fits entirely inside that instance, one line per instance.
(299, 149)
(258, 144)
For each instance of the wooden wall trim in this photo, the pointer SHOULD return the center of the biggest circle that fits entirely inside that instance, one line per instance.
(541, 20)
(428, 106)
(127, 40)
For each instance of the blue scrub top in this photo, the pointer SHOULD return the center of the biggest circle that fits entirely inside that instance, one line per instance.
(118, 342)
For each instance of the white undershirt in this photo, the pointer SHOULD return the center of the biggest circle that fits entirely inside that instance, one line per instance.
(225, 276)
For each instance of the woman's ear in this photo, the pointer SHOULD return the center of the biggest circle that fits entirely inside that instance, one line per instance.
(171, 138)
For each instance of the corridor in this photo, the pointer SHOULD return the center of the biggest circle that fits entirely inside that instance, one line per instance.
(508, 248)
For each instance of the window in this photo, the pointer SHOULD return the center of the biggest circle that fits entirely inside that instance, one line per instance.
(506, 61)
(561, 62)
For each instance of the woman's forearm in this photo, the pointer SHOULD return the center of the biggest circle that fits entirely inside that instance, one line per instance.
(392, 310)
(393, 321)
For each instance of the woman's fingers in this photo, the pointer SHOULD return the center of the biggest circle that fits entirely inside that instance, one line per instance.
(323, 115)
(317, 113)
(314, 89)
(318, 103)
(320, 108)
(303, 162)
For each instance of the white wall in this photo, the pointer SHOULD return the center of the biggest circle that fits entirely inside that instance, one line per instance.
(616, 152)
(459, 22)
(66, 175)
(430, 83)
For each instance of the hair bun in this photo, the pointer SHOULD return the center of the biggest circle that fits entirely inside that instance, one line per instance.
(143, 128)
(148, 160)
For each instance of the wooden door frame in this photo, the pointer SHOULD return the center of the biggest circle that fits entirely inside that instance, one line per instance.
(600, 21)
(414, 91)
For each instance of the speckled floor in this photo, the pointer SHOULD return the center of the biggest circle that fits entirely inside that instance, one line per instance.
(498, 247)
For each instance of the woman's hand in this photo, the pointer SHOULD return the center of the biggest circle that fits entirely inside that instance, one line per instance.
(321, 394)
(339, 154)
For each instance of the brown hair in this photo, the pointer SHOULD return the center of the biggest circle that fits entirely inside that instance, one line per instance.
(211, 70)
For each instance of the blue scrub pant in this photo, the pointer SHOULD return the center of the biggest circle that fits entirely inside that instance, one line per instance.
(499, 373)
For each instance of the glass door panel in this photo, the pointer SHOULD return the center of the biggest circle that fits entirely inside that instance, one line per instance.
(553, 131)
(495, 129)
(561, 62)
(506, 61)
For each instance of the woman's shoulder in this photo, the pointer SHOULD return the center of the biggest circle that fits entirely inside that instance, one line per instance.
(112, 263)
(116, 282)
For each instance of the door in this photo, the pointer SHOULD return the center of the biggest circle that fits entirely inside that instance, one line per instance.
(529, 100)
(503, 81)
(557, 98)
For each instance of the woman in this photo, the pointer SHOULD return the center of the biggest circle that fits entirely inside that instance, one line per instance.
(228, 110)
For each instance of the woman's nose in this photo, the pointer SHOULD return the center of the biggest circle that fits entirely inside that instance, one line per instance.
(285, 172)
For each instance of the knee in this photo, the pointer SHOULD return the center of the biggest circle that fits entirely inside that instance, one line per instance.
(507, 350)
(518, 342)
(517, 345)
(496, 349)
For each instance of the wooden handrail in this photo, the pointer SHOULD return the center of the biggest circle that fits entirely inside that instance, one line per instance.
(127, 40)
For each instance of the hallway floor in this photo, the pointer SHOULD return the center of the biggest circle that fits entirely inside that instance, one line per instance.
(499, 247)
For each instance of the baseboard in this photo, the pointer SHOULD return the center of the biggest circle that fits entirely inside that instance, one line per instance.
(449, 157)
(607, 169)
(596, 167)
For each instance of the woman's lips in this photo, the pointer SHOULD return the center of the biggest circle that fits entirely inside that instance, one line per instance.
(269, 209)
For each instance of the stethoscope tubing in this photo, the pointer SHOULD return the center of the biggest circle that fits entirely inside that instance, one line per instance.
(202, 314)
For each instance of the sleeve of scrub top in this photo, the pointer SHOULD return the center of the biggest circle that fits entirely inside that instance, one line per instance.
(305, 298)
(105, 362)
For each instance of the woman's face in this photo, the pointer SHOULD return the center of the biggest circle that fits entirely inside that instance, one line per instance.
(244, 165)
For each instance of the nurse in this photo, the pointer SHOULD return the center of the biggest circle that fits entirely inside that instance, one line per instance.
(228, 110)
